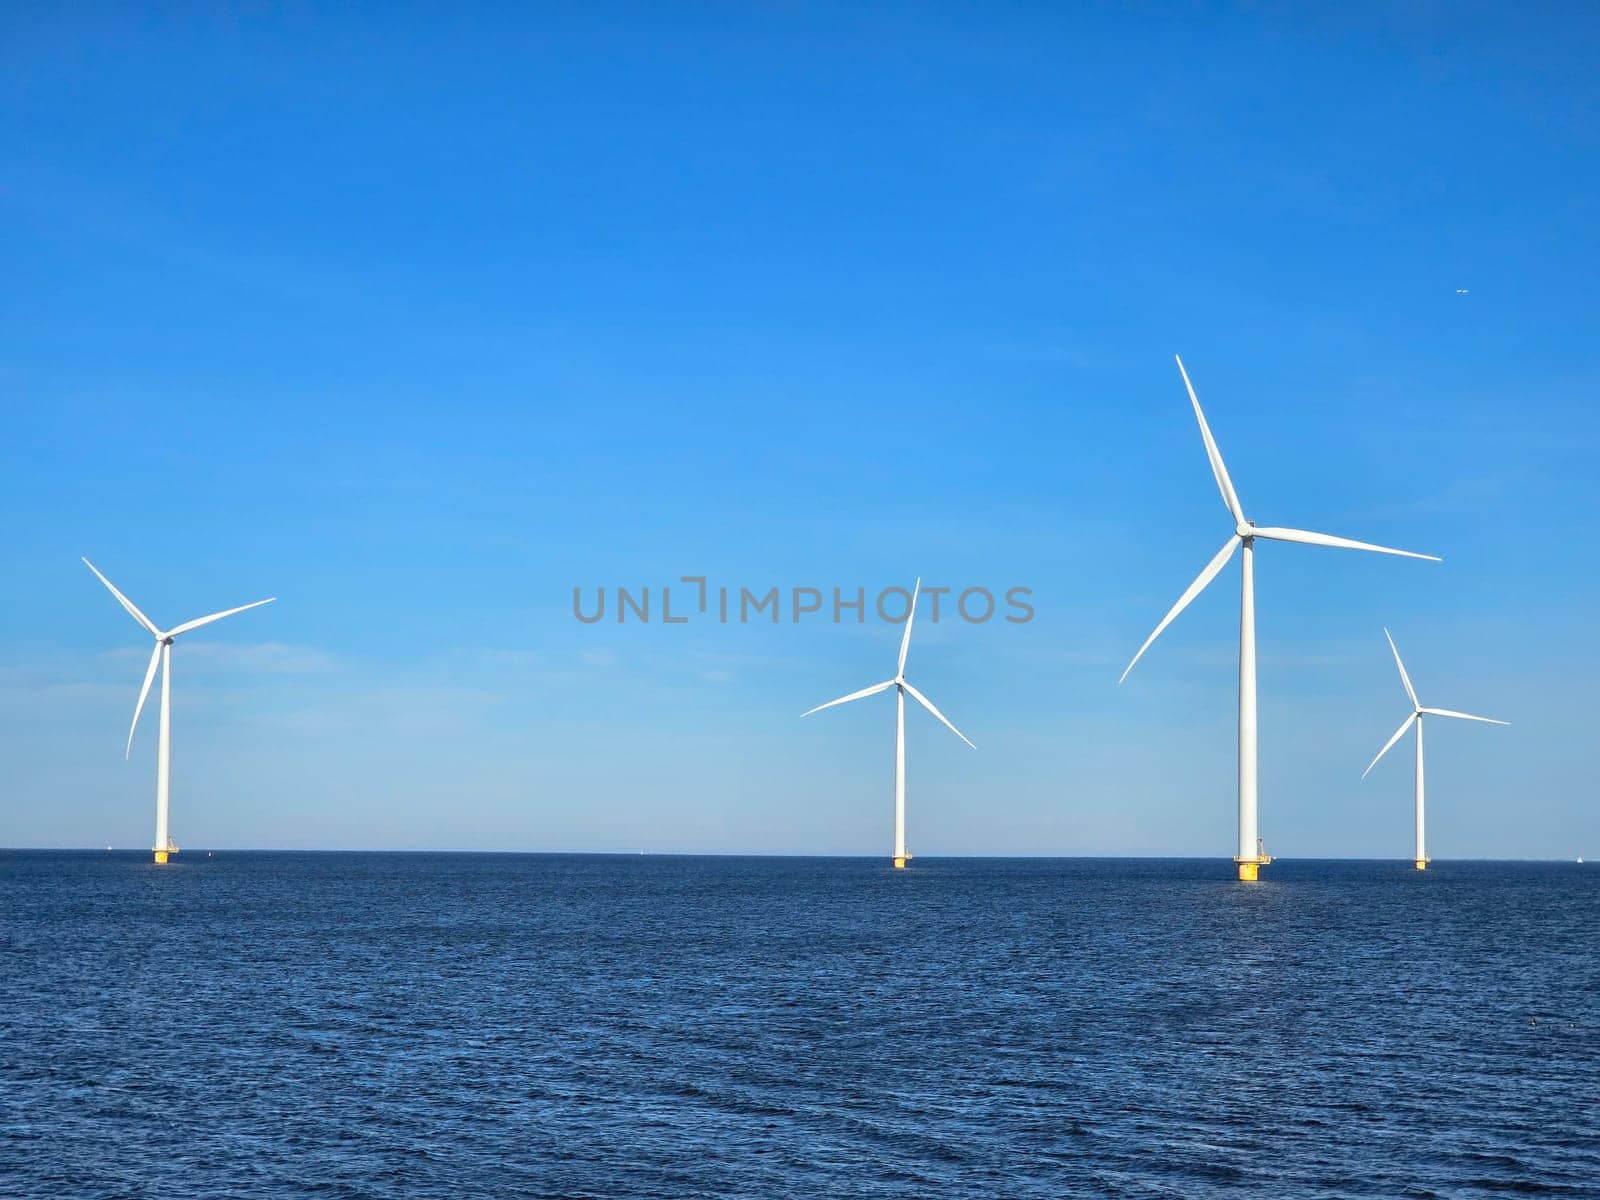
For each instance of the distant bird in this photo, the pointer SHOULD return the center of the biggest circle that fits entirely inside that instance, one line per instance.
(1461, 291)
(161, 657)
(1417, 713)
(1244, 536)
(901, 686)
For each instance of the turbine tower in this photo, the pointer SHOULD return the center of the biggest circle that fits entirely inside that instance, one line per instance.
(162, 656)
(902, 686)
(1421, 858)
(1251, 856)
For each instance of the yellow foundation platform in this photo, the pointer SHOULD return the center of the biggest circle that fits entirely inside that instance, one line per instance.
(899, 864)
(161, 857)
(1249, 868)
(1421, 864)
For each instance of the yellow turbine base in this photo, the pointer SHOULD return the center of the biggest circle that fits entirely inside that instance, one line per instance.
(1249, 868)
(899, 864)
(161, 857)
(1422, 864)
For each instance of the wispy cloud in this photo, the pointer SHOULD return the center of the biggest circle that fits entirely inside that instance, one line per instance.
(401, 706)
(264, 658)
(258, 658)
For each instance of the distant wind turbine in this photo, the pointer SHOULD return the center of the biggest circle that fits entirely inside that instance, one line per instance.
(162, 656)
(1417, 713)
(901, 686)
(1251, 856)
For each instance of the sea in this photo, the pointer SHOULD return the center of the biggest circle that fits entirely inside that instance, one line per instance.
(262, 1024)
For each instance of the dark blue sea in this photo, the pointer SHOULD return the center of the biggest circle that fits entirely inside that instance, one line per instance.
(444, 1025)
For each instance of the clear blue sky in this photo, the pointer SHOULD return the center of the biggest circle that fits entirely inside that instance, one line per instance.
(419, 318)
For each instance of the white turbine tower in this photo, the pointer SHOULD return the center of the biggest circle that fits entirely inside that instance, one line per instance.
(1251, 855)
(1417, 713)
(901, 686)
(162, 656)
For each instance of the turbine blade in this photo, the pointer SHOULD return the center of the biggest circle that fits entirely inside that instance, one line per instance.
(1404, 678)
(1461, 716)
(144, 692)
(1195, 588)
(905, 638)
(870, 691)
(1218, 468)
(928, 704)
(199, 621)
(123, 600)
(1398, 734)
(1306, 537)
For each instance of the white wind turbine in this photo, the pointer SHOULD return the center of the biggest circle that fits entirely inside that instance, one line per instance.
(1251, 856)
(1417, 713)
(901, 686)
(162, 656)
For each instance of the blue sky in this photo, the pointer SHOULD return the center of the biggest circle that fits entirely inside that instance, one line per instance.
(419, 319)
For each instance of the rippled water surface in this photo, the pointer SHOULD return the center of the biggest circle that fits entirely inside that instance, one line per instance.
(392, 1025)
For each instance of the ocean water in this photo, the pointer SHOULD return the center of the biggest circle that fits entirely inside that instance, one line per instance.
(435, 1025)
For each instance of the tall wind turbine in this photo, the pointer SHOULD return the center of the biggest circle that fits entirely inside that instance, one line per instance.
(1251, 855)
(162, 656)
(901, 685)
(1417, 713)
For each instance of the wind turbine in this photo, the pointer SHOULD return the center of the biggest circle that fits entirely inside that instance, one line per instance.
(1417, 713)
(162, 656)
(1251, 855)
(901, 685)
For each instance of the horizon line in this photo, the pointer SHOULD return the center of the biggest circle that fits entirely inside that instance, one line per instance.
(867, 855)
